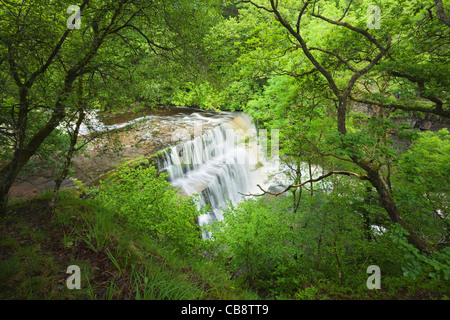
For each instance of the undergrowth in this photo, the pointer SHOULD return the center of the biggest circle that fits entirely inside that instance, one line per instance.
(116, 260)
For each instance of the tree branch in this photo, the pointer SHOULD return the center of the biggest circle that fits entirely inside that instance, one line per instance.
(365, 33)
(305, 49)
(422, 90)
(256, 5)
(296, 186)
(29, 83)
(346, 10)
(302, 10)
(335, 55)
(150, 42)
(296, 75)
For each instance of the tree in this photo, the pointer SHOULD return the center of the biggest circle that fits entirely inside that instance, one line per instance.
(42, 56)
(440, 12)
(347, 59)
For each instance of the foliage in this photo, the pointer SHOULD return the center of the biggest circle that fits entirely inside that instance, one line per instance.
(425, 165)
(415, 263)
(48, 71)
(150, 204)
(279, 250)
(121, 262)
(421, 184)
(339, 92)
(324, 248)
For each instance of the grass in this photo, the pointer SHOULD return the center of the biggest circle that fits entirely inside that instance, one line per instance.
(116, 262)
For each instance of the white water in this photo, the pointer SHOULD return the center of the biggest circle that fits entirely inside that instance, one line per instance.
(221, 165)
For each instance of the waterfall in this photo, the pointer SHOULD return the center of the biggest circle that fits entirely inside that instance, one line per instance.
(221, 165)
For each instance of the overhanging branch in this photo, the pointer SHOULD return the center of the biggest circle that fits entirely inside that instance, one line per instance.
(296, 186)
(150, 42)
(256, 5)
(335, 55)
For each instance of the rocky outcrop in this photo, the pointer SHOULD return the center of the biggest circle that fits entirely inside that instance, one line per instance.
(415, 121)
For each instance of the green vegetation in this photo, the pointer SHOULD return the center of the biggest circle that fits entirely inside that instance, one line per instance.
(360, 101)
(152, 206)
(118, 260)
(325, 245)
(261, 250)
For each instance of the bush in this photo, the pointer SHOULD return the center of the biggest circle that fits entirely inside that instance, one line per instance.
(258, 237)
(150, 204)
(278, 251)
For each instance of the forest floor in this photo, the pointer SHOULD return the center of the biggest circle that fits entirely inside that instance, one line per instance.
(37, 246)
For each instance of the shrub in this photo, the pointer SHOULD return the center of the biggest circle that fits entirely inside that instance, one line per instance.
(148, 202)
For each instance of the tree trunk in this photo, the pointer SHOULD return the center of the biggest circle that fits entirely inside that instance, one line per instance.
(73, 141)
(366, 216)
(336, 256)
(389, 205)
(311, 178)
(10, 171)
(383, 191)
(341, 115)
(440, 12)
(21, 156)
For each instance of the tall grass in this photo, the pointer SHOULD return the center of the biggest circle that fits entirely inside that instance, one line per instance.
(160, 285)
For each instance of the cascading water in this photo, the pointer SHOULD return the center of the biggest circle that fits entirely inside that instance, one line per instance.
(220, 165)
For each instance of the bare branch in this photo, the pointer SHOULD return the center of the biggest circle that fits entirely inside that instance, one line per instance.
(256, 5)
(296, 75)
(305, 49)
(422, 91)
(150, 42)
(302, 10)
(346, 10)
(55, 51)
(296, 186)
(365, 33)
